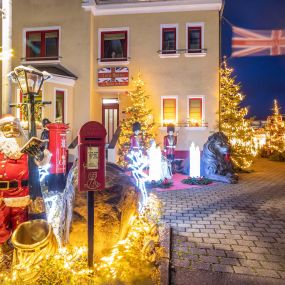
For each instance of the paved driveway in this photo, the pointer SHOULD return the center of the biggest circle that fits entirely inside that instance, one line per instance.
(233, 231)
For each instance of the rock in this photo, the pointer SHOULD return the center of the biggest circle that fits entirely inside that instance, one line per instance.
(114, 208)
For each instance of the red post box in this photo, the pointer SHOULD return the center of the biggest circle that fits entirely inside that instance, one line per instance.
(91, 149)
(57, 147)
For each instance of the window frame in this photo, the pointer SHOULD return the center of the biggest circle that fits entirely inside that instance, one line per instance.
(168, 54)
(197, 28)
(166, 51)
(101, 32)
(65, 92)
(42, 30)
(202, 99)
(200, 26)
(162, 108)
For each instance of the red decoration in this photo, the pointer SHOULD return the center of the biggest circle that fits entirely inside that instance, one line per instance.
(14, 188)
(113, 76)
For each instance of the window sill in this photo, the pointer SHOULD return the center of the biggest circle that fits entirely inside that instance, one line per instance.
(169, 55)
(113, 63)
(165, 128)
(186, 128)
(39, 61)
(196, 128)
(195, 54)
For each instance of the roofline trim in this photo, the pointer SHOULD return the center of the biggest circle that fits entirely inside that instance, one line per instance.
(64, 80)
(154, 7)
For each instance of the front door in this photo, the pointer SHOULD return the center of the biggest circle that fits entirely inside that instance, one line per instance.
(110, 117)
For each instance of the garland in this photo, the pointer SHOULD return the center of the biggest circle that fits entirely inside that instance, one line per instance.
(164, 184)
(197, 181)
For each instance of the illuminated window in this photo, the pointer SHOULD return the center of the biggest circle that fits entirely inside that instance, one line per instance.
(195, 112)
(169, 109)
(169, 40)
(114, 46)
(59, 106)
(42, 45)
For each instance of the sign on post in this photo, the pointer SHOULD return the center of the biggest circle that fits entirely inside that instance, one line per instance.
(91, 147)
(91, 171)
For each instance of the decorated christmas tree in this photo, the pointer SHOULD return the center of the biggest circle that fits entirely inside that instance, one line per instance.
(275, 129)
(232, 119)
(136, 112)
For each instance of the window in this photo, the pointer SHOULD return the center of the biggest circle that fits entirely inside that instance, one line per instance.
(168, 40)
(194, 39)
(59, 106)
(195, 112)
(114, 45)
(42, 45)
(169, 110)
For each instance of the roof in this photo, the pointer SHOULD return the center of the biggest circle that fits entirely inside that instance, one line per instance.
(123, 7)
(102, 2)
(55, 69)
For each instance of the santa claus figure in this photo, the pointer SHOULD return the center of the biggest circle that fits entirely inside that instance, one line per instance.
(170, 142)
(136, 142)
(14, 175)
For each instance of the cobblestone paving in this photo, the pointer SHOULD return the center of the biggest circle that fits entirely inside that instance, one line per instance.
(231, 228)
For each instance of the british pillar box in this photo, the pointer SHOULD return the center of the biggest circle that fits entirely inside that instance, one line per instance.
(91, 149)
(58, 148)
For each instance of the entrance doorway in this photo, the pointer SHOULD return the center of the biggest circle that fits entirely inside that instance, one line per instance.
(110, 117)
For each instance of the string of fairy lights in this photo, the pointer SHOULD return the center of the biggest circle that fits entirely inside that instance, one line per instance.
(69, 264)
(275, 130)
(138, 111)
(232, 119)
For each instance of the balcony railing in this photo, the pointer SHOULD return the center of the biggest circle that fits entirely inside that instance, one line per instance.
(180, 51)
(111, 59)
(186, 124)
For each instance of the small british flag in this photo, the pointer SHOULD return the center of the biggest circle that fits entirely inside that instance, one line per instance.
(113, 76)
(257, 42)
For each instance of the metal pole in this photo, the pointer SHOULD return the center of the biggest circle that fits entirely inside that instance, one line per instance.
(34, 181)
(90, 220)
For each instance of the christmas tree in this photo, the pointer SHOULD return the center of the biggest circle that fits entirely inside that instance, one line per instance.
(275, 129)
(232, 119)
(136, 112)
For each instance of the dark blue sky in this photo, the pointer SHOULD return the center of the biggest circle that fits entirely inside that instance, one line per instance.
(262, 77)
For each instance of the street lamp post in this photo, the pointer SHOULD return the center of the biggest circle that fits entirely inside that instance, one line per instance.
(30, 81)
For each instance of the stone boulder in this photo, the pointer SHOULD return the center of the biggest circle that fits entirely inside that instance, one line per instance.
(114, 208)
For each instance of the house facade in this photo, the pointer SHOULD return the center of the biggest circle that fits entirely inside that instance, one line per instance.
(94, 48)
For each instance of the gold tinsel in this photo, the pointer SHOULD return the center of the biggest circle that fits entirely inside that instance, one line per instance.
(133, 260)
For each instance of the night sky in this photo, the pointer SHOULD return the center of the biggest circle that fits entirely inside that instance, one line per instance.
(262, 77)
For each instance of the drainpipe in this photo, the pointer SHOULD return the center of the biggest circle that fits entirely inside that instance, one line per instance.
(6, 60)
(220, 57)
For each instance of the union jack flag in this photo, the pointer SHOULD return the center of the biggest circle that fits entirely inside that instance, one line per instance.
(257, 42)
(113, 76)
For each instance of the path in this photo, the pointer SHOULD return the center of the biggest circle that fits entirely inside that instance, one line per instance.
(230, 232)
